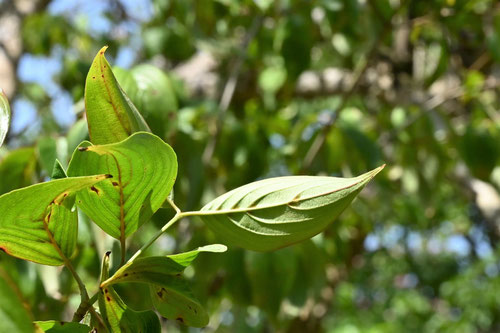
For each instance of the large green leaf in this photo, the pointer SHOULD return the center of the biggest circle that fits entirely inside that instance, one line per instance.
(117, 315)
(4, 116)
(52, 326)
(38, 223)
(157, 269)
(111, 116)
(144, 169)
(13, 315)
(277, 212)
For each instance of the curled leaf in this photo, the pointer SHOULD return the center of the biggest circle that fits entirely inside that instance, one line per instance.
(111, 116)
(117, 315)
(158, 269)
(4, 116)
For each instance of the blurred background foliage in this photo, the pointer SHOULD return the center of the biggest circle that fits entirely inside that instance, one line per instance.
(245, 90)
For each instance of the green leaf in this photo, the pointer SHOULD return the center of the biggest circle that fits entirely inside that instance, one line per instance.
(17, 169)
(117, 315)
(58, 171)
(151, 91)
(174, 300)
(157, 269)
(273, 213)
(38, 223)
(52, 326)
(4, 116)
(111, 116)
(144, 169)
(13, 315)
(169, 291)
(47, 153)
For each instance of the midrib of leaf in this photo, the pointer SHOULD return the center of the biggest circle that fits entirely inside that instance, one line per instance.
(122, 208)
(46, 222)
(288, 203)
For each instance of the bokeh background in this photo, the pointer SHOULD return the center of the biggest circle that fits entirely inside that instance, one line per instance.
(245, 90)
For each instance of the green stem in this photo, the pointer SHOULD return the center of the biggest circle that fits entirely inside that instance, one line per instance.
(174, 219)
(179, 215)
(83, 308)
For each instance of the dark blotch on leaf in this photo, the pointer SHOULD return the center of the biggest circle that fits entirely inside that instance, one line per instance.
(83, 148)
(93, 188)
(180, 320)
(108, 299)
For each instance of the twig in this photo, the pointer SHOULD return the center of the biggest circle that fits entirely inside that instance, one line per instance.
(229, 88)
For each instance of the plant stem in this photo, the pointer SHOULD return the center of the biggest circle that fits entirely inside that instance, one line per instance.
(174, 206)
(83, 308)
(174, 219)
(83, 291)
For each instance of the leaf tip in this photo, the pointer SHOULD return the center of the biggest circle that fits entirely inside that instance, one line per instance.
(107, 254)
(102, 50)
(107, 176)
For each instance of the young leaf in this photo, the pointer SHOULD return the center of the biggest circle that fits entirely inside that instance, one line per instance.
(117, 315)
(111, 116)
(157, 269)
(38, 223)
(58, 171)
(144, 169)
(52, 326)
(13, 315)
(4, 116)
(273, 213)
(169, 291)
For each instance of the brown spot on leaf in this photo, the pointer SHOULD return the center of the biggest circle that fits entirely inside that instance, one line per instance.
(126, 274)
(180, 319)
(93, 77)
(159, 293)
(108, 299)
(102, 76)
(62, 323)
(83, 148)
(106, 291)
(115, 183)
(95, 189)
